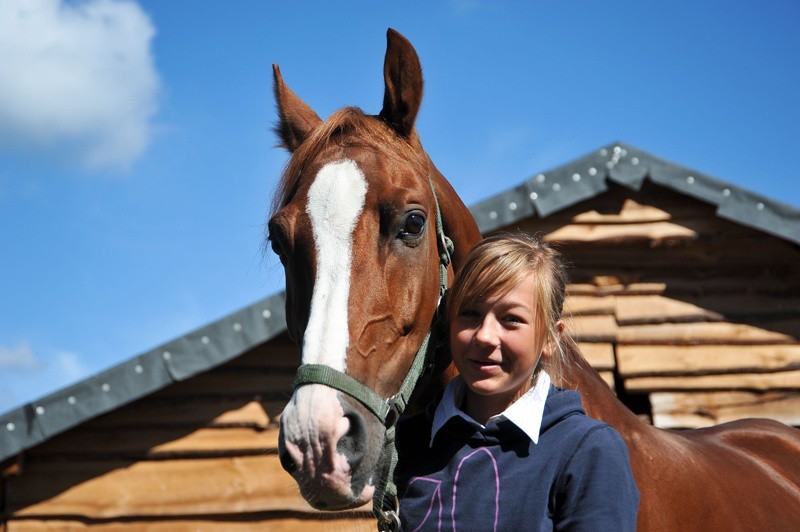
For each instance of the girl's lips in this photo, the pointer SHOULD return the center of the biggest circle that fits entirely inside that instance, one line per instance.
(484, 365)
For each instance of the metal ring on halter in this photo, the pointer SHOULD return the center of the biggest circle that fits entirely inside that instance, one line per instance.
(390, 519)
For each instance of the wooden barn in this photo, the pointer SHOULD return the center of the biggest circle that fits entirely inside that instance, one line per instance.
(685, 294)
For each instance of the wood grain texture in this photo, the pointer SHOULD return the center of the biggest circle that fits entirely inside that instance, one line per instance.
(710, 333)
(784, 380)
(117, 488)
(277, 522)
(686, 360)
(703, 409)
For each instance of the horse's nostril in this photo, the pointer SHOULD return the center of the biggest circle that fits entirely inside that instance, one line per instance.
(354, 441)
(286, 461)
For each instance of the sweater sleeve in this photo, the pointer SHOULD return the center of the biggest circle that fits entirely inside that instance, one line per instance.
(595, 490)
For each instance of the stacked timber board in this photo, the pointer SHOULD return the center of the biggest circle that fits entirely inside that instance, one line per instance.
(702, 315)
(198, 455)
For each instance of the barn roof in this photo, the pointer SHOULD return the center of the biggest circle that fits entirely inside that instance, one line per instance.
(235, 334)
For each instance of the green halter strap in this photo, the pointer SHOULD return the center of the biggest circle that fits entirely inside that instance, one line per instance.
(388, 411)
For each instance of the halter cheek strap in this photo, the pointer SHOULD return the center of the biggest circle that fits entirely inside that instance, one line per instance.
(388, 411)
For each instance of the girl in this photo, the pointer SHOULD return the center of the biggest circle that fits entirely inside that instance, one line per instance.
(502, 448)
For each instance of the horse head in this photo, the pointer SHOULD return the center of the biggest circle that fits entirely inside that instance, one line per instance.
(354, 224)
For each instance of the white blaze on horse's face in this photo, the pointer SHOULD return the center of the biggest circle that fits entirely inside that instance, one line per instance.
(314, 420)
(335, 201)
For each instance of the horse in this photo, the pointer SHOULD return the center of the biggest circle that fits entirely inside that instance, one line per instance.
(355, 226)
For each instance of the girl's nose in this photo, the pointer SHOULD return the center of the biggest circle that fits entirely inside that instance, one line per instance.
(487, 332)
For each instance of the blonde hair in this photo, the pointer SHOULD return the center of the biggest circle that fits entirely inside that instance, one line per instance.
(496, 265)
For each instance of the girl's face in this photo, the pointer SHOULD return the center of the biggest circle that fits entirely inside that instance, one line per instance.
(496, 347)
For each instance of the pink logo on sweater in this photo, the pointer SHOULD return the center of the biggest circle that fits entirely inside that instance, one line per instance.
(476, 457)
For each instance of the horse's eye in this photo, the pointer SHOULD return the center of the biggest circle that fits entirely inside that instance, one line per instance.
(413, 225)
(276, 248)
(275, 238)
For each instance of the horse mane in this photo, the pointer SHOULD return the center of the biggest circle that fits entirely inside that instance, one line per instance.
(348, 127)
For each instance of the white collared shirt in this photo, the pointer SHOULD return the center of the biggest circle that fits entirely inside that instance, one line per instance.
(526, 412)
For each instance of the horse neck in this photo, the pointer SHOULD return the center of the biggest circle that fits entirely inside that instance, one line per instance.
(599, 400)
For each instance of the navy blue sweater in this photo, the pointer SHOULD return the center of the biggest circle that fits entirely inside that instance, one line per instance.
(577, 477)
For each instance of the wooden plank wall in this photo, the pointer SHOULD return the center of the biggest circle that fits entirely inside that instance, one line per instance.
(702, 314)
(198, 455)
(695, 320)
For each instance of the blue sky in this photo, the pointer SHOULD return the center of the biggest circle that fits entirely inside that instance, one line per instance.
(137, 159)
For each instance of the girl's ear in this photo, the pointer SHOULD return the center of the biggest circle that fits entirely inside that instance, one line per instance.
(550, 345)
(559, 327)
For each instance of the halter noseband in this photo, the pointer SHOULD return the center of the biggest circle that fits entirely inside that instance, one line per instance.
(388, 411)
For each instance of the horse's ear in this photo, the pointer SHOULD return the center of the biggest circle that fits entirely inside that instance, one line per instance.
(402, 75)
(297, 119)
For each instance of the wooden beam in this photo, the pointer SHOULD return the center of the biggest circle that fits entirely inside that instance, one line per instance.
(575, 305)
(599, 355)
(638, 360)
(711, 333)
(632, 310)
(784, 380)
(703, 409)
(102, 489)
(592, 328)
(636, 309)
(273, 522)
(622, 233)
(141, 443)
(209, 411)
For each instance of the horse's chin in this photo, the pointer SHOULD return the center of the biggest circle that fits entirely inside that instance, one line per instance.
(343, 503)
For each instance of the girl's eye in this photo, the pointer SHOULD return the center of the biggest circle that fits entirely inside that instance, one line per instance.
(468, 313)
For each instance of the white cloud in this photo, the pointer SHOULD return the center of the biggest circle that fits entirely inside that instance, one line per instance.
(463, 7)
(77, 80)
(70, 367)
(19, 358)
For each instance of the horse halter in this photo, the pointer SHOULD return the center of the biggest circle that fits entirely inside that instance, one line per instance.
(388, 410)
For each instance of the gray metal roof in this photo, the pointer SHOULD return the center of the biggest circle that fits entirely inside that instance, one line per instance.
(561, 187)
(176, 360)
(235, 334)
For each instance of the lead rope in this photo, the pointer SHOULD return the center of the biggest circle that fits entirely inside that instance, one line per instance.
(385, 504)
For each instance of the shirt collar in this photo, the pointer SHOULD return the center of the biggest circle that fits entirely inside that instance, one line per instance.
(526, 412)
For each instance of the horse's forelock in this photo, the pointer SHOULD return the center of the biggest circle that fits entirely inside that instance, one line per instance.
(349, 127)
